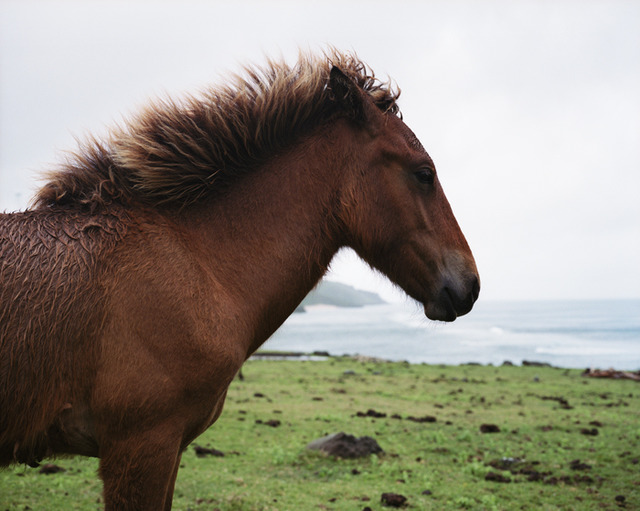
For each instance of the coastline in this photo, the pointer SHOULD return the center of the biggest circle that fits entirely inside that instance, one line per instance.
(570, 334)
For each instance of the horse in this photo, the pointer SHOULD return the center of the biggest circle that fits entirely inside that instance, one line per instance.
(155, 260)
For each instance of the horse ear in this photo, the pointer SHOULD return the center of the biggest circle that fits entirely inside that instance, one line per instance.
(347, 94)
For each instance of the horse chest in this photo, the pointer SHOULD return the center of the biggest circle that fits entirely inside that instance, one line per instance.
(73, 432)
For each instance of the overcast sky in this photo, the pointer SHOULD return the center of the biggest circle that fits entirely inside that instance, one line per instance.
(530, 109)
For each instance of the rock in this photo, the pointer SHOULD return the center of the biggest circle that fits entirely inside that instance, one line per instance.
(393, 500)
(371, 413)
(201, 452)
(489, 428)
(51, 469)
(426, 418)
(346, 446)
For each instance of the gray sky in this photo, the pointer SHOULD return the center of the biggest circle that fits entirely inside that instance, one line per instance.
(530, 109)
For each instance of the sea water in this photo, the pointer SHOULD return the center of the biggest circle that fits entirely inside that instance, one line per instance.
(575, 334)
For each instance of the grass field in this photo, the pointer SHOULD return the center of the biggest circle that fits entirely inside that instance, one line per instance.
(559, 441)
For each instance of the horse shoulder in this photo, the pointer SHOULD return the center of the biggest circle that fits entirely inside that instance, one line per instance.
(168, 348)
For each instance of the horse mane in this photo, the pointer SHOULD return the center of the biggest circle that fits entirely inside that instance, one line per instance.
(176, 152)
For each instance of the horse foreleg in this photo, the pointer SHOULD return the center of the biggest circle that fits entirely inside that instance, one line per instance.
(172, 484)
(139, 470)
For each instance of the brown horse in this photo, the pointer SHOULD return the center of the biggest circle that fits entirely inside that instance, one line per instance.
(153, 263)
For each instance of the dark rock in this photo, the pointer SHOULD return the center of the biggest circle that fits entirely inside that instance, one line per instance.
(393, 500)
(346, 446)
(201, 452)
(371, 413)
(51, 469)
(426, 418)
(589, 432)
(489, 428)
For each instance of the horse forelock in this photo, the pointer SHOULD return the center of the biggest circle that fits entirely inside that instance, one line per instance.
(175, 152)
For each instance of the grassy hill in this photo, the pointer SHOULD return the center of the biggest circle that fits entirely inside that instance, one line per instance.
(340, 295)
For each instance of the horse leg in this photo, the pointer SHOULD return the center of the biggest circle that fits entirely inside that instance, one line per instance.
(139, 470)
(172, 484)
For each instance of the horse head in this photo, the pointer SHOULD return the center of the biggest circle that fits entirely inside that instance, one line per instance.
(395, 212)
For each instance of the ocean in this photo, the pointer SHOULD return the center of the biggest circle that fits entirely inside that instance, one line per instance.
(572, 334)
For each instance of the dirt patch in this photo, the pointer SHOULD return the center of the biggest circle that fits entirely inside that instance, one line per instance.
(274, 423)
(529, 469)
(497, 477)
(564, 404)
(578, 465)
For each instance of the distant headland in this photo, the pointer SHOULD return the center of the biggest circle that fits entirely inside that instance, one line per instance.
(338, 295)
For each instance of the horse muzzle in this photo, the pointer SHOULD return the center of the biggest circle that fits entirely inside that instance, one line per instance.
(455, 298)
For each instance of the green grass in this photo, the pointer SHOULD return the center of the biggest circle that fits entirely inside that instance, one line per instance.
(268, 468)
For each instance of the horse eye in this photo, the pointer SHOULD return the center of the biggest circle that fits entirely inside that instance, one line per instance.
(425, 177)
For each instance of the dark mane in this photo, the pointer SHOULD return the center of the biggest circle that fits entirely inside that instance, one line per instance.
(174, 152)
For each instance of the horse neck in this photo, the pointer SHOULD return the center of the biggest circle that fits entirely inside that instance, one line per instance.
(270, 237)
